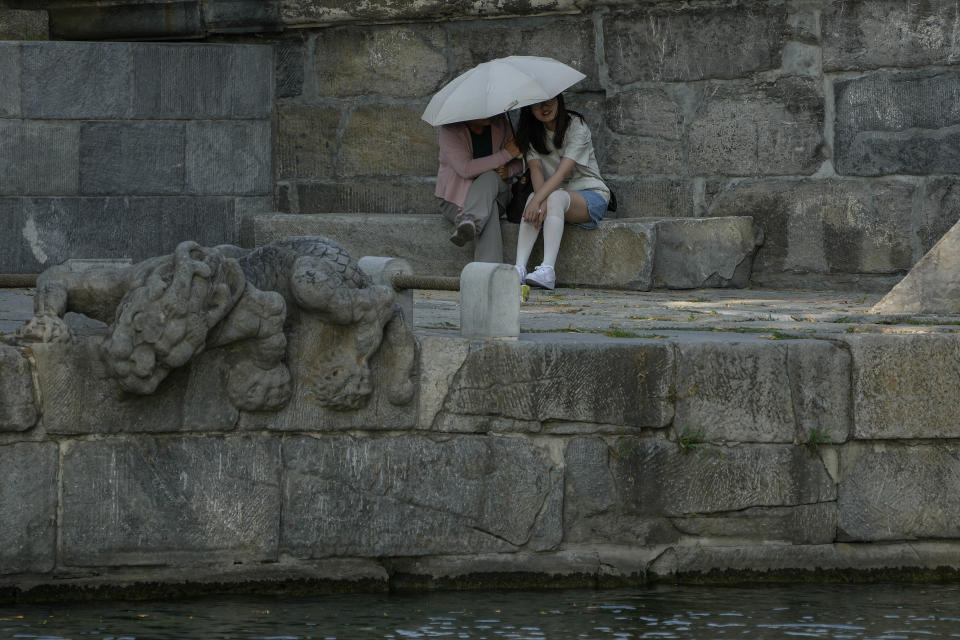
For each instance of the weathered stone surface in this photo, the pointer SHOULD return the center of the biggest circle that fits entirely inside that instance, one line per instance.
(657, 479)
(80, 397)
(23, 25)
(889, 123)
(736, 391)
(903, 386)
(635, 156)
(940, 210)
(241, 16)
(18, 407)
(76, 80)
(369, 195)
(825, 226)
(569, 40)
(595, 506)
(802, 524)
(402, 61)
(406, 145)
(289, 62)
(762, 391)
(668, 43)
(932, 285)
(306, 141)
(310, 12)
(148, 19)
(543, 383)
(758, 128)
(703, 252)
(647, 112)
(225, 81)
(645, 197)
(440, 359)
(413, 496)
(142, 158)
(899, 492)
(39, 157)
(228, 157)
(883, 33)
(10, 64)
(28, 501)
(202, 500)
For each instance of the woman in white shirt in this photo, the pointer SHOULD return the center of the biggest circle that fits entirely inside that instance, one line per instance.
(566, 183)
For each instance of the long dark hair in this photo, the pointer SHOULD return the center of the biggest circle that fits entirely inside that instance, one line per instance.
(532, 133)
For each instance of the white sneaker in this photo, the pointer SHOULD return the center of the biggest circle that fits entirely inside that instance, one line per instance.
(521, 271)
(543, 276)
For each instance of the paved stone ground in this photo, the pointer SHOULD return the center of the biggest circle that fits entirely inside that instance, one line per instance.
(589, 314)
(596, 313)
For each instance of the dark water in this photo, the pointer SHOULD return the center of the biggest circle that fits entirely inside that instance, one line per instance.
(801, 611)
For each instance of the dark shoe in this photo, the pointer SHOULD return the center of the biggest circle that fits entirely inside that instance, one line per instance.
(464, 233)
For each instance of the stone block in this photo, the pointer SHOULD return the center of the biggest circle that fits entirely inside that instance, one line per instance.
(440, 359)
(18, 407)
(289, 60)
(665, 43)
(888, 33)
(658, 479)
(647, 112)
(370, 195)
(228, 157)
(76, 80)
(10, 65)
(543, 384)
(759, 128)
(141, 158)
(393, 60)
(176, 501)
(310, 12)
(801, 524)
(820, 374)
(889, 123)
(903, 386)
(150, 19)
(900, 492)
(646, 197)
(594, 511)
(405, 144)
(241, 16)
(570, 40)
(23, 25)
(28, 501)
(627, 156)
(39, 157)
(825, 226)
(411, 496)
(692, 253)
(306, 144)
(489, 301)
(202, 81)
(931, 286)
(940, 210)
(79, 397)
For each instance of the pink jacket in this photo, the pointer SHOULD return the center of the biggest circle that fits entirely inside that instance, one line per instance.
(457, 165)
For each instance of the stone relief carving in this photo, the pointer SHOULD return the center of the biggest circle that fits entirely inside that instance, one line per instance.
(165, 311)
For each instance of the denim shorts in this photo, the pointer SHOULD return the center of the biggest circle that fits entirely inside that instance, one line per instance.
(596, 207)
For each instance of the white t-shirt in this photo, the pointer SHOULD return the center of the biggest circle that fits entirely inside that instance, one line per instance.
(578, 146)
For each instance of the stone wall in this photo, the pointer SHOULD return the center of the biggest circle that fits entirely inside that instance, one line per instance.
(536, 462)
(125, 150)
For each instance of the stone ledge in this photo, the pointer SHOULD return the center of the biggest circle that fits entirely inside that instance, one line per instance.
(629, 253)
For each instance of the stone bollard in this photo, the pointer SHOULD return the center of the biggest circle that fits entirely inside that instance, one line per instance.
(382, 270)
(489, 301)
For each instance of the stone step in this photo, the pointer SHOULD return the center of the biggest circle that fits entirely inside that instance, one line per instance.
(631, 253)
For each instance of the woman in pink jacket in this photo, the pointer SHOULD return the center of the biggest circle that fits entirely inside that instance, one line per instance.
(477, 158)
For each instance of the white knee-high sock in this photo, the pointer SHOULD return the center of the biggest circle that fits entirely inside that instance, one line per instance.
(557, 204)
(526, 238)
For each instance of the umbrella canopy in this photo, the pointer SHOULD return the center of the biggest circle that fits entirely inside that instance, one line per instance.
(495, 87)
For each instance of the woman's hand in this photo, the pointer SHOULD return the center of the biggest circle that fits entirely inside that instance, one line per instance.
(510, 146)
(534, 212)
(502, 172)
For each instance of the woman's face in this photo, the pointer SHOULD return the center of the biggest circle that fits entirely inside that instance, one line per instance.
(546, 111)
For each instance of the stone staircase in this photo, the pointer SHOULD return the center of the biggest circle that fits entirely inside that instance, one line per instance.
(631, 253)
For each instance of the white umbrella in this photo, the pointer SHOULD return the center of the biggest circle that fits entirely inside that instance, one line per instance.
(495, 87)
